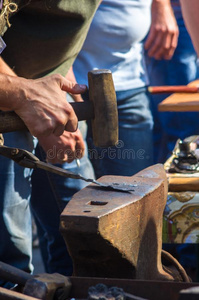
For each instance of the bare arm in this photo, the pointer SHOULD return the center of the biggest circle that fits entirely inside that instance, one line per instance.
(190, 10)
(40, 103)
(5, 69)
(163, 35)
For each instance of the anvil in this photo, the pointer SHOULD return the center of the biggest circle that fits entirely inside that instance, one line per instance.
(118, 235)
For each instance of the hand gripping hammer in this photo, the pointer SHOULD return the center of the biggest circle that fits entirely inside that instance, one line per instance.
(101, 109)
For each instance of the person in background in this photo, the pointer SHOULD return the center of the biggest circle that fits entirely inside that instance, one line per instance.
(190, 13)
(43, 41)
(180, 69)
(117, 34)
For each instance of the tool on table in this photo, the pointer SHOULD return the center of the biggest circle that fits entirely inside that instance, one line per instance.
(173, 89)
(28, 160)
(101, 109)
(182, 166)
(42, 286)
(185, 99)
(184, 159)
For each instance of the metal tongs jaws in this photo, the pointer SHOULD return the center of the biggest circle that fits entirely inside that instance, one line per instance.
(28, 160)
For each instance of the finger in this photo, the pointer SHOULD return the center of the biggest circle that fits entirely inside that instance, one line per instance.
(69, 151)
(72, 87)
(72, 124)
(164, 50)
(63, 159)
(77, 97)
(79, 149)
(71, 155)
(149, 41)
(59, 130)
(158, 48)
(174, 41)
(168, 55)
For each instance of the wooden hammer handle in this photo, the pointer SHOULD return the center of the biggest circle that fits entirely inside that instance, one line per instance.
(173, 89)
(10, 121)
(14, 275)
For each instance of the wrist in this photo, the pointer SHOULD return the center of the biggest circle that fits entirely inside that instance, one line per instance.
(161, 8)
(13, 91)
(161, 4)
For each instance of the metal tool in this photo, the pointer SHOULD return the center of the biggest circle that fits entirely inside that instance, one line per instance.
(42, 286)
(184, 160)
(147, 289)
(173, 89)
(28, 160)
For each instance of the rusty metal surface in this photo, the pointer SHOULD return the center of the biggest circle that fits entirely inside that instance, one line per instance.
(48, 286)
(117, 235)
(152, 290)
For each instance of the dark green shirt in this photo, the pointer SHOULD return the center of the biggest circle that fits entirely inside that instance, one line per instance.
(46, 35)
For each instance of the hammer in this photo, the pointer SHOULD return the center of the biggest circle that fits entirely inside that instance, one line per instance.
(101, 109)
(42, 286)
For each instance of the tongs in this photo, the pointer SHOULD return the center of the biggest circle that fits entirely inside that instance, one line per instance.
(28, 160)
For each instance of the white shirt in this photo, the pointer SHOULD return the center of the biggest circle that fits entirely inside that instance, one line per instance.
(114, 42)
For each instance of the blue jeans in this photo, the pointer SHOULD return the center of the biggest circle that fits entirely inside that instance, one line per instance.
(50, 194)
(134, 150)
(15, 221)
(180, 70)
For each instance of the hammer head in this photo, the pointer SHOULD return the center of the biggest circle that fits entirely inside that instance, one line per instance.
(102, 94)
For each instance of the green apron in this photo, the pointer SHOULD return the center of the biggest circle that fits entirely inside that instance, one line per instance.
(46, 35)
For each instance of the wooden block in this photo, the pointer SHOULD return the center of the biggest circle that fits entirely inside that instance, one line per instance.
(181, 102)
